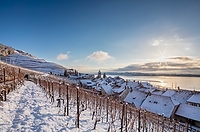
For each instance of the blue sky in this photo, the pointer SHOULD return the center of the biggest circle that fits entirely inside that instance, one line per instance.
(120, 35)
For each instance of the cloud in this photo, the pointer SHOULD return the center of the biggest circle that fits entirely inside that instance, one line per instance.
(182, 58)
(184, 65)
(99, 56)
(78, 60)
(177, 38)
(157, 42)
(62, 57)
(132, 67)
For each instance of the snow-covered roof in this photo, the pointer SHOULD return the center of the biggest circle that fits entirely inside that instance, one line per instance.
(73, 77)
(98, 88)
(169, 93)
(160, 105)
(102, 81)
(107, 89)
(146, 90)
(119, 89)
(136, 97)
(146, 84)
(86, 76)
(87, 82)
(157, 92)
(188, 111)
(194, 99)
(182, 96)
(118, 79)
(132, 84)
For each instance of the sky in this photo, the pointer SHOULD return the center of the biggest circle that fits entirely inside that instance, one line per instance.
(109, 35)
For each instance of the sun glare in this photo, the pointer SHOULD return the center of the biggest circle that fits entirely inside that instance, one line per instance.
(162, 59)
(162, 56)
(163, 84)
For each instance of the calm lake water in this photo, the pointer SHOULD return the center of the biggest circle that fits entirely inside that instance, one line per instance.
(189, 83)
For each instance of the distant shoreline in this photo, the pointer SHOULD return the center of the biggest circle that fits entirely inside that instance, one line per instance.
(150, 74)
(170, 82)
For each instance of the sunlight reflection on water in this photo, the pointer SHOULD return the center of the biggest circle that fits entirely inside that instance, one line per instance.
(189, 83)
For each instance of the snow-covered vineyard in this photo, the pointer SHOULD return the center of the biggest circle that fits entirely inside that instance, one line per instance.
(51, 103)
(31, 108)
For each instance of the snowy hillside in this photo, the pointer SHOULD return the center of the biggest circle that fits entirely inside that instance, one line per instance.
(23, 59)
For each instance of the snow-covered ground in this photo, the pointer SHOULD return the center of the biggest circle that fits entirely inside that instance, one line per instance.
(28, 109)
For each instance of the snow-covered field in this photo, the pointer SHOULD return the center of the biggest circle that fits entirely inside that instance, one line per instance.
(28, 109)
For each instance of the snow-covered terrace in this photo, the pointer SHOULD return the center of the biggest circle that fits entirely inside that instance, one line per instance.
(31, 62)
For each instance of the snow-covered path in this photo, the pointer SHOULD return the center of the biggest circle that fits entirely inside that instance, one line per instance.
(27, 109)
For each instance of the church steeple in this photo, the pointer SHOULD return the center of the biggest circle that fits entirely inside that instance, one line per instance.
(99, 74)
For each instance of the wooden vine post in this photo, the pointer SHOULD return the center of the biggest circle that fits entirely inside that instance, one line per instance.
(52, 96)
(163, 123)
(77, 94)
(19, 71)
(39, 82)
(14, 80)
(174, 126)
(107, 110)
(4, 93)
(122, 118)
(59, 92)
(4, 76)
(67, 100)
(52, 88)
(138, 120)
(48, 87)
(126, 118)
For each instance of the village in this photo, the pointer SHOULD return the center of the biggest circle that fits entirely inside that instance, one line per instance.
(176, 104)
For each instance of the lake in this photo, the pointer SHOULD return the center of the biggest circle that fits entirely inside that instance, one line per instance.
(172, 82)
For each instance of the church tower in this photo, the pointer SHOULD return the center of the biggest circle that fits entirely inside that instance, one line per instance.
(99, 74)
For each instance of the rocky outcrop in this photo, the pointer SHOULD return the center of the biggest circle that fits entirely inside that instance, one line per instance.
(5, 50)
